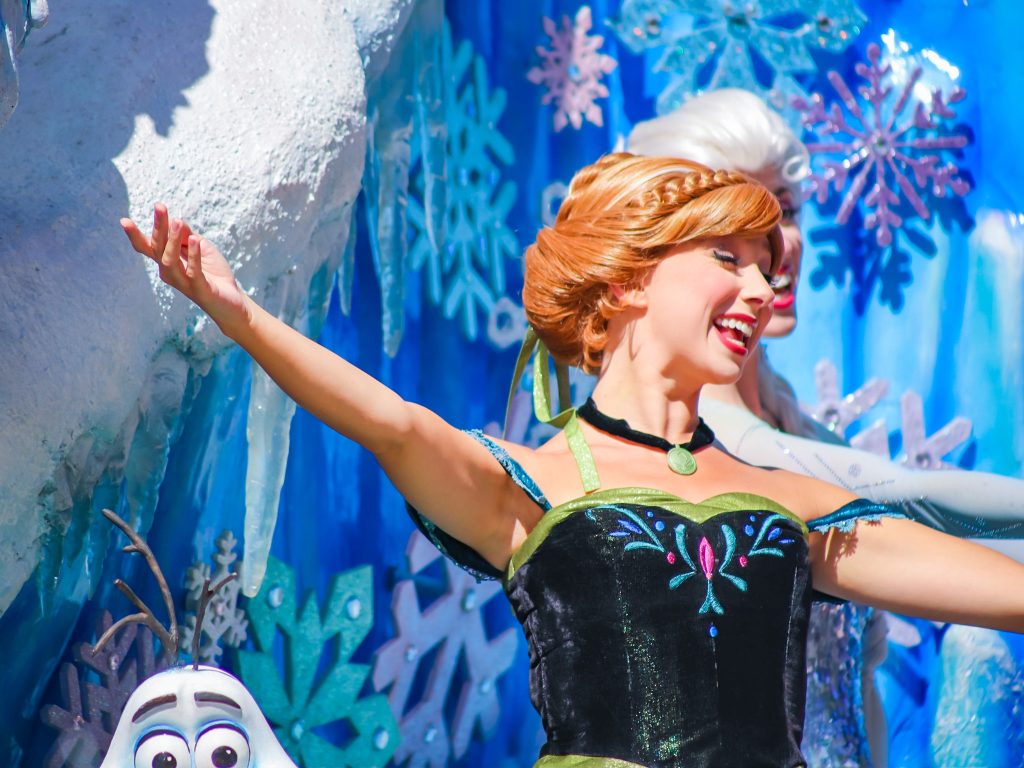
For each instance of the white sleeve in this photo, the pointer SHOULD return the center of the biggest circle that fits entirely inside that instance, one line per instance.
(967, 504)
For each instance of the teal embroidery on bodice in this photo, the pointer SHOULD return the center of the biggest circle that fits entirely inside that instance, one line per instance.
(766, 539)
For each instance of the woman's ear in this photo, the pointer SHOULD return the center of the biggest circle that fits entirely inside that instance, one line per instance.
(626, 296)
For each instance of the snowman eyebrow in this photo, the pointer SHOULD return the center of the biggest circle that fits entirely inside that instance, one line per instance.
(209, 697)
(152, 704)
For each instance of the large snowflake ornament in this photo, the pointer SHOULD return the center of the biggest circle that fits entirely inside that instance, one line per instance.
(448, 635)
(884, 147)
(319, 689)
(94, 689)
(225, 621)
(758, 45)
(920, 450)
(572, 71)
(466, 273)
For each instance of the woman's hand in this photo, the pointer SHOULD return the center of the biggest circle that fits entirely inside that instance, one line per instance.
(192, 264)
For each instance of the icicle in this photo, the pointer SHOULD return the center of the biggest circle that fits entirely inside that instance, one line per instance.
(431, 125)
(17, 19)
(269, 422)
(347, 267)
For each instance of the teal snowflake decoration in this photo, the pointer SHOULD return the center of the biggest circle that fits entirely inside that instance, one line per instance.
(758, 45)
(316, 697)
(465, 274)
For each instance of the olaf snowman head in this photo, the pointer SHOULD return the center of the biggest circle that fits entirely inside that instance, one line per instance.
(187, 716)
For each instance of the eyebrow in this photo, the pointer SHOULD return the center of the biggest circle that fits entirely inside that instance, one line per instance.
(209, 697)
(152, 704)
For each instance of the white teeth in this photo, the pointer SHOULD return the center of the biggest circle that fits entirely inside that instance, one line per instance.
(738, 325)
(782, 282)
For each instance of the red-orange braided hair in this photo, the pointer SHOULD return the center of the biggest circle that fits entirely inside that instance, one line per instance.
(620, 216)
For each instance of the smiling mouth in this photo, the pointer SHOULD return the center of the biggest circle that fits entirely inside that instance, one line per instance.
(736, 332)
(783, 286)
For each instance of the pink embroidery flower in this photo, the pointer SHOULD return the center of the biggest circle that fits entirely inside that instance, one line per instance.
(707, 558)
(671, 557)
(743, 561)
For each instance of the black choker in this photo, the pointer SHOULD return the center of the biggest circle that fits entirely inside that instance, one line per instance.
(680, 455)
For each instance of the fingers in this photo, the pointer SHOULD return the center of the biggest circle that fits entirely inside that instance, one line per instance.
(139, 241)
(159, 229)
(171, 254)
(194, 269)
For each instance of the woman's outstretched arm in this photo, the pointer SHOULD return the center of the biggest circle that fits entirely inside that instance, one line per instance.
(967, 504)
(909, 568)
(443, 472)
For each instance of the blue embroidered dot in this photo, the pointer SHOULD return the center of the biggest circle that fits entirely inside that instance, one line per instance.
(713, 630)
(751, 518)
(659, 526)
(748, 529)
(785, 541)
(650, 513)
(774, 533)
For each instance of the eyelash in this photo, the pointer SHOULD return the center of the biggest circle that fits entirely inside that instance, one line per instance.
(726, 258)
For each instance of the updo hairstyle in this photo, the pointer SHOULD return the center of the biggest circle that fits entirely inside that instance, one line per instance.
(620, 217)
(726, 128)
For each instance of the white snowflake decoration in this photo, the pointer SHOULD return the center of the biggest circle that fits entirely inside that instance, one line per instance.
(885, 149)
(225, 622)
(729, 35)
(450, 632)
(466, 273)
(572, 71)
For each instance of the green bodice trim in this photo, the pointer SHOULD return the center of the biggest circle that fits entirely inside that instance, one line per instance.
(583, 761)
(647, 497)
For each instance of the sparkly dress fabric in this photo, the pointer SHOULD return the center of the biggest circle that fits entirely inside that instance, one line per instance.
(662, 632)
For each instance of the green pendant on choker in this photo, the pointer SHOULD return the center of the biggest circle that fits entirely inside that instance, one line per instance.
(681, 461)
(680, 455)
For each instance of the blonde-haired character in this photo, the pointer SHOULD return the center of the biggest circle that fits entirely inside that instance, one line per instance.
(759, 420)
(663, 585)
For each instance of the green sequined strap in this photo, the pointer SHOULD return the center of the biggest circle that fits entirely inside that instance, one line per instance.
(565, 419)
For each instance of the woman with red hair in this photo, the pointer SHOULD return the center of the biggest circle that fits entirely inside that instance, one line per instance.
(663, 585)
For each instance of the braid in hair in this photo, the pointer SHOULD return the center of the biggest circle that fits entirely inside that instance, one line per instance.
(619, 217)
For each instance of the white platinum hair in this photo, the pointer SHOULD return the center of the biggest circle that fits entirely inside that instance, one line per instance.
(728, 129)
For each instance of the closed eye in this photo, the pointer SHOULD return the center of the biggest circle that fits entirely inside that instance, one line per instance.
(726, 258)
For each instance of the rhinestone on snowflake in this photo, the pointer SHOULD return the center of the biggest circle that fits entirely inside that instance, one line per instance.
(729, 36)
(448, 635)
(317, 684)
(225, 623)
(836, 411)
(923, 451)
(572, 71)
(886, 149)
(89, 710)
(466, 274)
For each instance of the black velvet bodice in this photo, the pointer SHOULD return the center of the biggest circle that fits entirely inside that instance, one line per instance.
(668, 634)
(661, 632)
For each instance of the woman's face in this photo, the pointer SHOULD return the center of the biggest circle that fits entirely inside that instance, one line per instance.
(704, 307)
(785, 283)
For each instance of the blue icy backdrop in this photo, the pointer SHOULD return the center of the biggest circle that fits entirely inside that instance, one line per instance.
(463, 163)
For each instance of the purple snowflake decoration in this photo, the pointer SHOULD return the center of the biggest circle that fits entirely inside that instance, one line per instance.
(572, 71)
(94, 690)
(886, 149)
(836, 411)
(920, 450)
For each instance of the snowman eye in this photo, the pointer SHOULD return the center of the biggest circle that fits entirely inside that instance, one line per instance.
(162, 749)
(222, 746)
